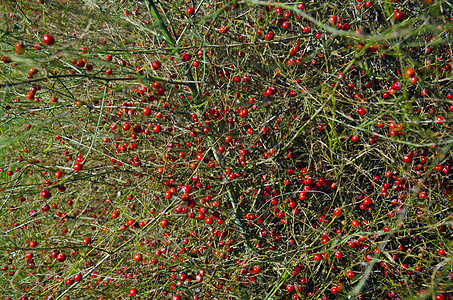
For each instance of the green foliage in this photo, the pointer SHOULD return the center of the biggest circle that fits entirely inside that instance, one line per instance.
(246, 149)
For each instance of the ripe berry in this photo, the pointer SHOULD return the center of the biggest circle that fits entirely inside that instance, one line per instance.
(399, 15)
(61, 257)
(6, 59)
(409, 72)
(78, 277)
(361, 111)
(269, 36)
(337, 211)
(19, 48)
(223, 29)
(138, 257)
(77, 167)
(440, 120)
(407, 158)
(164, 223)
(333, 20)
(156, 129)
(186, 56)
(146, 111)
(48, 40)
(156, 65)
(256, 269)
(46, 194)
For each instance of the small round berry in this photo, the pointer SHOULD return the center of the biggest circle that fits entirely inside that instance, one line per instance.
(61, 257)
(133, 292)
(399, 15)
(156, 65)
(138, 257)
(337, 211)
(361, 111)
(48, 40)
(317, 257)
(350, 274)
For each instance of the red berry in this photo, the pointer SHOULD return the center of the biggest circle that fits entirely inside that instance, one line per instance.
(156, 65)
(157, 128)
(164, 223)
(269, 36)
(146, 111)
(409, 72)
(47, 39)
(78, 277)
(407, 158)
(256, 269)
(337, 211)
(77, 167)
(133, 292)
(186, 56)
(19, 48)
(138, 257)
(46, 194)
(61, 257)
(333, 20)
(361, 111)
(440, 120)
(399, 15)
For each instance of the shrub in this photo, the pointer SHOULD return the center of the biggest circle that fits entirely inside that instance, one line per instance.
(231, 149)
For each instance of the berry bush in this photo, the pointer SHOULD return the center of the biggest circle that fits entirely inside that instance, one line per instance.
(226, 149)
